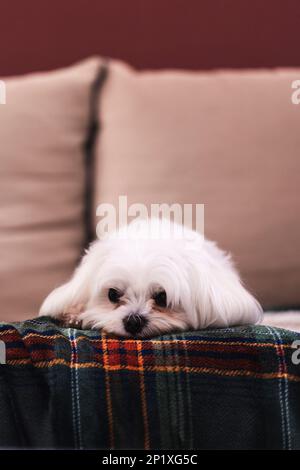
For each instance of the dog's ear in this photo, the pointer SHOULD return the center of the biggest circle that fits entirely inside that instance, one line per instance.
(73, 293)
(222, 300)
(231, 304)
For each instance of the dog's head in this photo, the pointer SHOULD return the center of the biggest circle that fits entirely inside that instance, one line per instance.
(141, 286)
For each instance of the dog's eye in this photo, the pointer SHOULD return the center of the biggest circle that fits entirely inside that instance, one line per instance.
(114, 295)
(160, 299)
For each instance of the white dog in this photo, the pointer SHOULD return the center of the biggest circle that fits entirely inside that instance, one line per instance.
(154, 277)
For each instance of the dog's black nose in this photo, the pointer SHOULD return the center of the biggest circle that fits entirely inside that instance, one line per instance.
(133, 324)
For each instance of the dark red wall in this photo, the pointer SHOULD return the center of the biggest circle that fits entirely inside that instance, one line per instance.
(43, 34)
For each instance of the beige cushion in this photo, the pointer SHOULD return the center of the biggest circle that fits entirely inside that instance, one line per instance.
(43, 128)
(228, 139)
(289, 320)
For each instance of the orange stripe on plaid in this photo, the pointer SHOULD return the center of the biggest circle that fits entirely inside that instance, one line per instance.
(187, 369)
(108, 392)
(143, 396)
(187, 342)
(7, 332)
(203, 341)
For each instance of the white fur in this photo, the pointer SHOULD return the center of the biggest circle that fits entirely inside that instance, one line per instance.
(203, 288)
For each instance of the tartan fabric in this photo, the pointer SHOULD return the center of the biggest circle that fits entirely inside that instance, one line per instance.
(234, 388)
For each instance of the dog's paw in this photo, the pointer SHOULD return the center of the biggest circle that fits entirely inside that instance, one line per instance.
(70, 317)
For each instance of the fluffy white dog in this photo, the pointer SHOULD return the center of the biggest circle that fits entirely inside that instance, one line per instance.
(154, 277)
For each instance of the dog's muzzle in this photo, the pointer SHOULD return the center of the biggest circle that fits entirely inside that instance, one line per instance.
(134, 324)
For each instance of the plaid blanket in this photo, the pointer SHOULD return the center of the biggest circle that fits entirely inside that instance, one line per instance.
(233, 388)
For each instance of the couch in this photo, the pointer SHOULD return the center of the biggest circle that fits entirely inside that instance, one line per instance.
(86, 134)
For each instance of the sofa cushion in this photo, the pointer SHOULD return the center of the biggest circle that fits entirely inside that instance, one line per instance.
(290, 319)
(43, 129)
(227, 139)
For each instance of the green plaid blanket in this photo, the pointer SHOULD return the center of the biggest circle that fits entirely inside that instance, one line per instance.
(236, 388)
